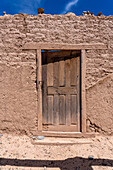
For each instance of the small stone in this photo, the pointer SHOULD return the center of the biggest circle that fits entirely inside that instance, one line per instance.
(33, 137)
(40, 137)
(84, 13)
(70, 14)
(40, 11)
(90, 157)
(4, 12)
(45, 168)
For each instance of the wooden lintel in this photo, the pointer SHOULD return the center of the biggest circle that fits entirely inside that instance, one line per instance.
(48, 46)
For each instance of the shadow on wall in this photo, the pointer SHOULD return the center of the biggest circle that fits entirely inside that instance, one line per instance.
(77, 163)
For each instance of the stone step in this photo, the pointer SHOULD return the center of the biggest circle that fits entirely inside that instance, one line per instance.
(60, 141)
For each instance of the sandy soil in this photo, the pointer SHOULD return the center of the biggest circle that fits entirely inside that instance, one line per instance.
(19, 153)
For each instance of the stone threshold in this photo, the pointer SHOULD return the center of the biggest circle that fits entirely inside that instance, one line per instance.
(66, 134)
(63, 138)
(61, 141)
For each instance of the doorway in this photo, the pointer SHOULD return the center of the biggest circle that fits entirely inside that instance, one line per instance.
(61, 90)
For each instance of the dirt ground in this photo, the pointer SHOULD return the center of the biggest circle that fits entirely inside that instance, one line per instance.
(20, 152)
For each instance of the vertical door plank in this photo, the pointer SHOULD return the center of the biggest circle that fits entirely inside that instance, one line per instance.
(49, 71)
(68, 110)
(62, 115)
(44, 90)
(56, 74)
(67, 84)
(73, 109)
(78, 72)
(56, 110)
(61, 73)
(50, 110)
(78, 92)
(73, 71)
(67, 72)
(56, 97)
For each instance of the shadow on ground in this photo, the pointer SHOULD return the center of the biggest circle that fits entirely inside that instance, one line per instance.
(77, 163)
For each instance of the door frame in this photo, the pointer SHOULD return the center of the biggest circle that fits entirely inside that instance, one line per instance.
(46, 46)
(82, 90)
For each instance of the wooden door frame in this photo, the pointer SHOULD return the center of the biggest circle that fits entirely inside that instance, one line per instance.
(46, 46)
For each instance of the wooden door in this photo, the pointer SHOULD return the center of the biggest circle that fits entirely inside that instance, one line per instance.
(61, 91)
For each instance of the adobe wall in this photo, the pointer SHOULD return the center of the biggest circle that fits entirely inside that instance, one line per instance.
(18, 95)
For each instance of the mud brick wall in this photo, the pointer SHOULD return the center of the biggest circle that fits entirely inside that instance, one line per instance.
(18, 95)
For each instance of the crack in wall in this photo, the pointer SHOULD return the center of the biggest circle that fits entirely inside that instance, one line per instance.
(25, 25)
(101, 81)
(95, 127)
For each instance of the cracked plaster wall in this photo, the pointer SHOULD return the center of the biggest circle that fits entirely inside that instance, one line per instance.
(18, 96)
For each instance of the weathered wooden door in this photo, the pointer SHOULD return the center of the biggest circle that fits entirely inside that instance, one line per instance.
(61, 91)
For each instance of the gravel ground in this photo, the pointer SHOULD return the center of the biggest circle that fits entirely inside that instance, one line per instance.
(19, 153)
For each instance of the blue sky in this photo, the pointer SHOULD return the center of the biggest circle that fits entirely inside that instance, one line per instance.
(56, 6)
